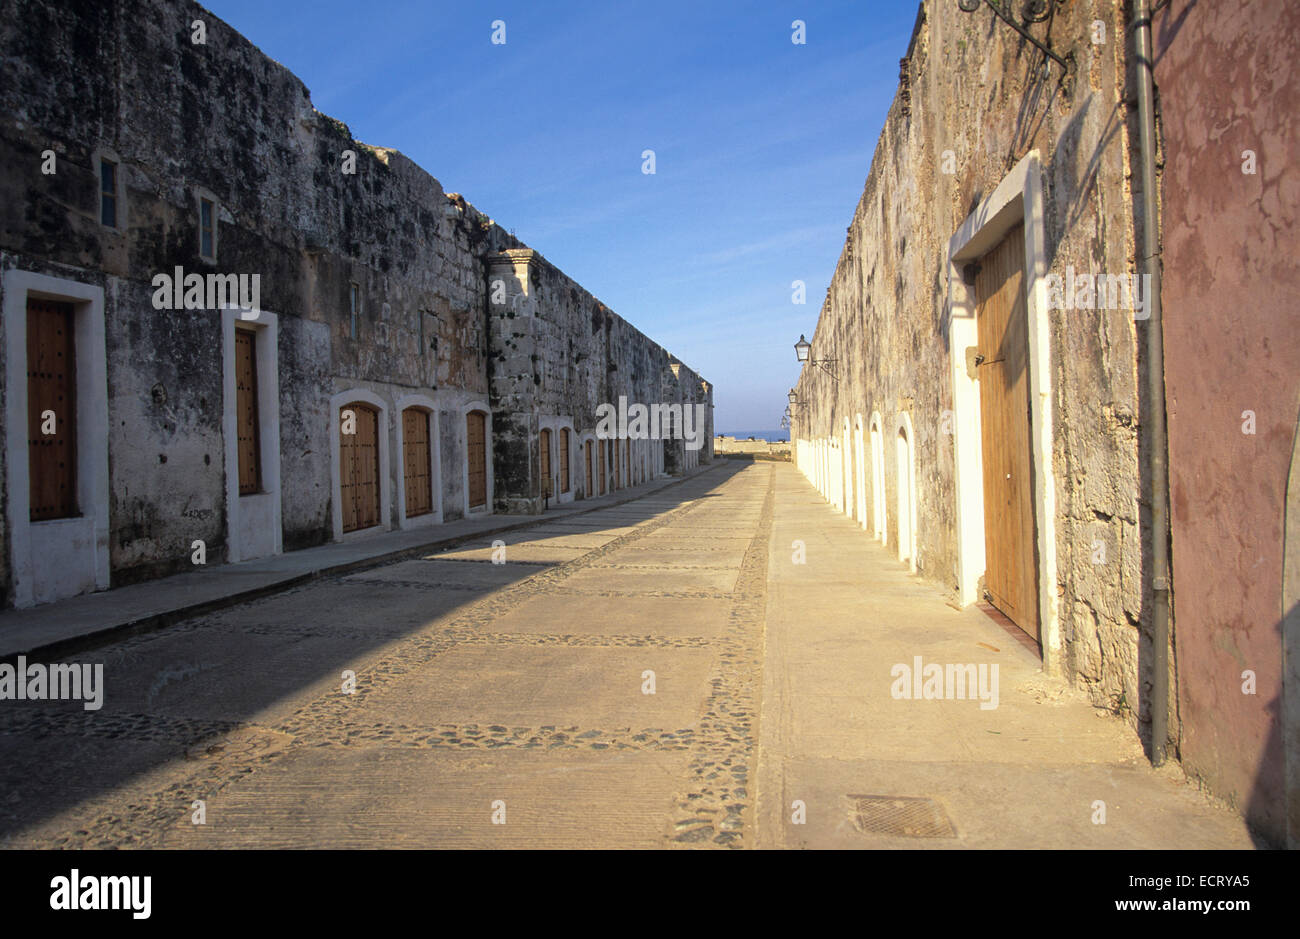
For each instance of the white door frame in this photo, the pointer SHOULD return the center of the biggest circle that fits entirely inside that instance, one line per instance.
(253, 522)
(61, 557)
(1017, 198)
(430, 407)
(365, 396)
(463, 435)
(908, 538)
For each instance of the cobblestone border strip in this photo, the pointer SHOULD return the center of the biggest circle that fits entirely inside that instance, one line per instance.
(223, 752)
(498, 736)
(715, 803)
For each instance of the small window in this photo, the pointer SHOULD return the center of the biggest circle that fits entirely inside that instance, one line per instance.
(207, 229)
(354, 302)
(108, 193)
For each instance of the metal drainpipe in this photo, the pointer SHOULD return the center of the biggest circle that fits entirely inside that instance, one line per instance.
(1159, 705)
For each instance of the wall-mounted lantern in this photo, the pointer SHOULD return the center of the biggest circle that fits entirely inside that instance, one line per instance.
(803, 351)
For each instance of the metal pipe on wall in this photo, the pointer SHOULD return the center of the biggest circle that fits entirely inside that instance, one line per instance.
(1159, 443)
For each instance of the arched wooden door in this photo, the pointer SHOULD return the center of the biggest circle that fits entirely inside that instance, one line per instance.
(589, 490)
(476, 457)
(359, 466)
(417, 463)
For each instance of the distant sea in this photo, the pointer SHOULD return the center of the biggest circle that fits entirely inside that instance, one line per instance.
(772, 435)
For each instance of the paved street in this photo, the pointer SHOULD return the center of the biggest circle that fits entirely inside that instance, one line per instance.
(479, 687)
(510, 705)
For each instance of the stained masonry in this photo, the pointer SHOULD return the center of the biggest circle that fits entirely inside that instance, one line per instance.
(989, 145)
(133, 150)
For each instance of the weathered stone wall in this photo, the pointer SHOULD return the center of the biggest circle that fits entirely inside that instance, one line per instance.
(559, 352)
(971, 86)
(125, 79)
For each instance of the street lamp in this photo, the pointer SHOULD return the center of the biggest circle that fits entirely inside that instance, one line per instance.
(794, 398)
(803, 351)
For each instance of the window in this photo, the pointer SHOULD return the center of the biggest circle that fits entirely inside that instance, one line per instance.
(354, 300)
(248, 432)
(108, 193)
(207, 229)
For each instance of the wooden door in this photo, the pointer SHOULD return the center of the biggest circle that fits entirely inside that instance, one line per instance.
(476, 455)
(589, 491)
(359, 467)
(618, 470)
(417, 466)
(545, 474)
(564, 459)
(248, 431)
(1011, 574)
(51, 406)
(600, 453)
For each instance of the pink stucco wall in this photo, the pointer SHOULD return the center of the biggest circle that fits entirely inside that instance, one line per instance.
(1227, 83)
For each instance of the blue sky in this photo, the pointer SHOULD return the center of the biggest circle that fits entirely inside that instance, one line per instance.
(761, 146)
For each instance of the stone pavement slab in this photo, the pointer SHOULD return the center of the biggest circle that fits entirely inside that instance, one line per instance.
(1027, 773)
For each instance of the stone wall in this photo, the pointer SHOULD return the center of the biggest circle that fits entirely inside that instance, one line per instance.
(219, 119)
(559, 353)
(977, 100)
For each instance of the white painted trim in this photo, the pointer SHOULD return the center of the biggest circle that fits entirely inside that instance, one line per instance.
(62, 557)
(253, 523)
(426, 403)
(364, 396)
(908, 535)
(583, 440)
(463, 434)
(848, 494)
(1019, 197)
(860, 473)
(879, 502)
(556, 424)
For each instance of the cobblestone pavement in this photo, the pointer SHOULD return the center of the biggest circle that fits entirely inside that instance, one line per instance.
(494, 705)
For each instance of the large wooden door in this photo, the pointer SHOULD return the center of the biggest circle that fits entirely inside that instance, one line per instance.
(618, 469)
(546, 463)
(476, 455)
(359, 466)
(589, 491)
(600, 453)
(1011, 574)
(51, 406)
(564, 460)
(248, 431)
(417, 467)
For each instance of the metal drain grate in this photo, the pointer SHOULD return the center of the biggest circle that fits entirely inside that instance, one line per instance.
(908, 816)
